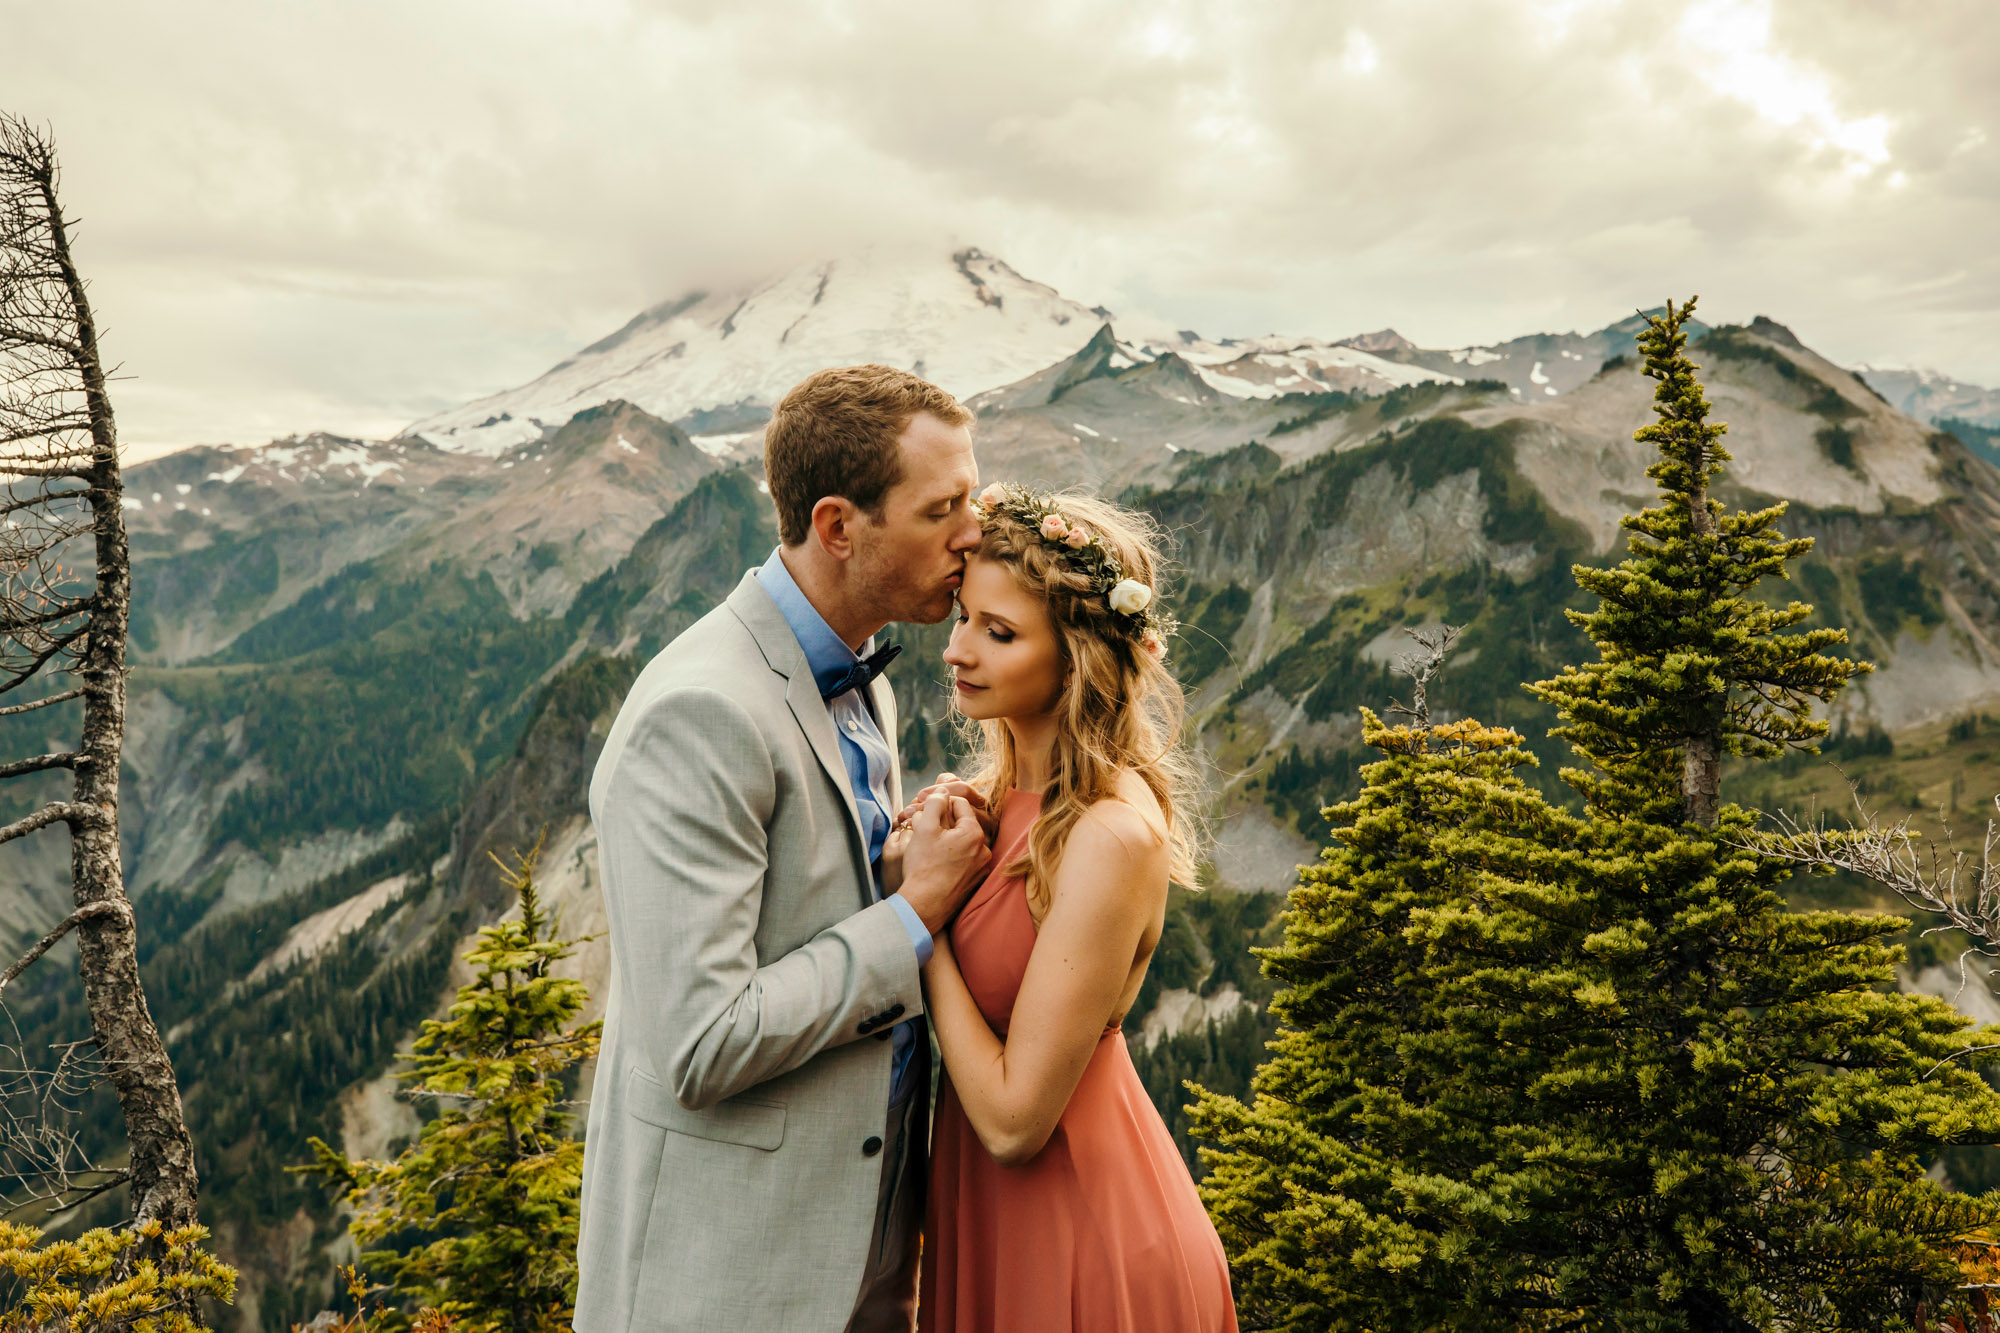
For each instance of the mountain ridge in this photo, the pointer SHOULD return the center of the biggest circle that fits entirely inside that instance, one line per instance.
(361, 664)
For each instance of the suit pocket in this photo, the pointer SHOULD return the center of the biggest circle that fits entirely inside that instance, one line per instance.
(752, 1124)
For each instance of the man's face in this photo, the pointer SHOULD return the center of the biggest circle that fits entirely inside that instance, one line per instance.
(909, 559)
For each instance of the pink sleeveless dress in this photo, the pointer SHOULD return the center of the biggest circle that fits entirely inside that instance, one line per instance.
(1102, 1232)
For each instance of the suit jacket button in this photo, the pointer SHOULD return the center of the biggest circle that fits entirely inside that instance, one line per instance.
(895, 1012)
(871, 1146)
(865, 1026)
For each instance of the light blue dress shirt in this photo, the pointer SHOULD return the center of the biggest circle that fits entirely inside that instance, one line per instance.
(865, 753)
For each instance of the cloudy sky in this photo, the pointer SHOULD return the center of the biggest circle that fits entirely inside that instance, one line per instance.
(343, 216)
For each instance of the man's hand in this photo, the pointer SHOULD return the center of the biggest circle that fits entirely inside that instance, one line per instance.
(889, 865)
(948, 849)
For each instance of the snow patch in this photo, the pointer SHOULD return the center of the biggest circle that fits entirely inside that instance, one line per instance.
(723, 446)
(129, 502)
(1078, 425)
(1536, 376)
(1274, 367)
(227, 475)
(361, 460)
(627, 445)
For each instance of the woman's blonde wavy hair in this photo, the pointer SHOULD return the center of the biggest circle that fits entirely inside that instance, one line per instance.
(1120, 708)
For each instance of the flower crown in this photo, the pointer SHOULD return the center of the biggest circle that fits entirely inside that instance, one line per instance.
(1132, 603)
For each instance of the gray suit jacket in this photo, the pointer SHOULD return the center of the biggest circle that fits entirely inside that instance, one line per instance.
(725, 1181)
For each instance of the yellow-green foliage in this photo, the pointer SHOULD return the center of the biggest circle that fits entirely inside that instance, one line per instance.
(478, 1218)
(96, 1283)
(1545, 1071)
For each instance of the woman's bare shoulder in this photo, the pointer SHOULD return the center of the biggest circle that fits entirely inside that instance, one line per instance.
(1132, 799)
(1125, 826)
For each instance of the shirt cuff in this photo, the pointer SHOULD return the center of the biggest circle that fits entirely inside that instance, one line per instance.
(920, 936)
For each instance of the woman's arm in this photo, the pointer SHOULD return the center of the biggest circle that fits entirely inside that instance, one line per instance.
(1111, 886)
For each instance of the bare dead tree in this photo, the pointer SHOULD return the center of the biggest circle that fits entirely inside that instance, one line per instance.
(42, 1159)
(1960, 890)
(1434, 644)
(1947, 882)
(65, 600)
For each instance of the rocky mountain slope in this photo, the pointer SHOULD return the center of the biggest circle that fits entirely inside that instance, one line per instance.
(1932, 396)
(362, 665)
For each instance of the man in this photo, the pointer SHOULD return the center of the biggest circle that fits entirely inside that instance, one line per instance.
(755, 1157)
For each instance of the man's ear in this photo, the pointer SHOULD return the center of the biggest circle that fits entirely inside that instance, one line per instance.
(833, 521)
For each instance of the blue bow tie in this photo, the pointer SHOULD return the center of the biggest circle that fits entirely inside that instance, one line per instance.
(861, 673)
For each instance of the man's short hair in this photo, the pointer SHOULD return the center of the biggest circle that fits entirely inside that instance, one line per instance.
(836, 433)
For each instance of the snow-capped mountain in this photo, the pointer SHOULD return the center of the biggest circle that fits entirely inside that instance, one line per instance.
(716, 362)
(1276, 365)
(1534, 368)
(1932, 395)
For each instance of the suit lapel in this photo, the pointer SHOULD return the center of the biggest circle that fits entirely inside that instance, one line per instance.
(767, 625)
(810, 710)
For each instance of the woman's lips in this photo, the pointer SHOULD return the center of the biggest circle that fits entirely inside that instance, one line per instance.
(966, 687)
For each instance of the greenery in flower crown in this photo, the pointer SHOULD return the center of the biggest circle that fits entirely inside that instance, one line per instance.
(1134, 604)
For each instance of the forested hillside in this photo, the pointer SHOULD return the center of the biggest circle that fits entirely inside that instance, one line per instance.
(363, 665)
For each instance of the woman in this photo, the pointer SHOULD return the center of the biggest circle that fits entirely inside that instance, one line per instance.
(1058, 1200)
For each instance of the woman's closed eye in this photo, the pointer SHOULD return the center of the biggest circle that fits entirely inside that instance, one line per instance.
(993, 632)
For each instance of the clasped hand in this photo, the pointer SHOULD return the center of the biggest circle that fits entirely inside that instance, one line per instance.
(938, 847)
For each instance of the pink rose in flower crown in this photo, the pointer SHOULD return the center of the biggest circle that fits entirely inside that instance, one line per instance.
(1077, 539)
(1054, 529)
(1153, 645)
(992, 495)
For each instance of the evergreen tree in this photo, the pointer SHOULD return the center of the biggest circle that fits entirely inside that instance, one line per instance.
(491, 1186)
(1616, 1084)
(1366, 1186)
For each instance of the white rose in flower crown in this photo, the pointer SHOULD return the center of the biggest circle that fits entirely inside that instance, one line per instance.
(1054, 529)
(1130, 597)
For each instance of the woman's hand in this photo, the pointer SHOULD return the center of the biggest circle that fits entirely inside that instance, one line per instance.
(943, 859)
(903, 827)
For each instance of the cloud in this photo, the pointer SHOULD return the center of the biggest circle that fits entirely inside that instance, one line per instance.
(343, 217)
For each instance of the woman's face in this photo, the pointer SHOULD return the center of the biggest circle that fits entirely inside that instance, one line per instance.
(1003, 653)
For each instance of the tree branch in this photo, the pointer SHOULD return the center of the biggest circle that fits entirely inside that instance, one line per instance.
(53, 813)
(11, 469)
(112, 1180)
(88, 912)
(43, 762)
(65, 696)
